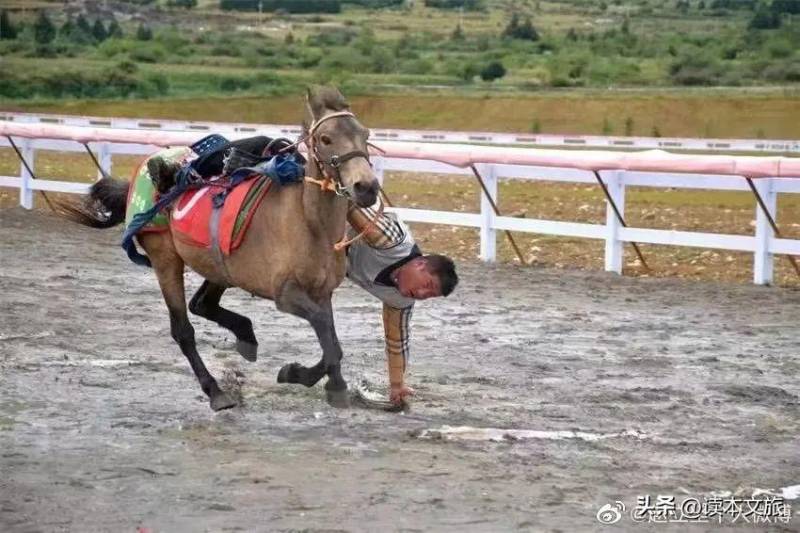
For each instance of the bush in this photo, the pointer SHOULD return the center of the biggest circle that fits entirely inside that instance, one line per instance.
(524, 31)
(185, 4)
(115, 82)
(467, 5)
(493, 71)
(783, 72)
(289, 6)
(7, 29)
(765, 19)
(334, 37)
(144, 33)
(695, 70)
(230, 84)
(148, 54)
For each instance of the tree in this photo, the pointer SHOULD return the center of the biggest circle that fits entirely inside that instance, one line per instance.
(791, 7)
(7, 29)
(524, 31)
(67, 30)
(144, 33)
(512, 26)
(493, 71)
(99, 31)
(765, 19)
(527, 32)
(458, 33)
(43, 29)
(115, 30)
(83, 25)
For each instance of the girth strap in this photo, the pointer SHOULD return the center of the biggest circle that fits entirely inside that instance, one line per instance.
(213, 230)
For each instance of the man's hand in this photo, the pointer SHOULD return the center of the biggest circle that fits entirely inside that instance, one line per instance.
(398, 395)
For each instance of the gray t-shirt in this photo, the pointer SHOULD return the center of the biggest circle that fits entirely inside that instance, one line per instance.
(365, 263)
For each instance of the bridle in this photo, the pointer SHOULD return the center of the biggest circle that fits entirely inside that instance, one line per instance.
(333, 183)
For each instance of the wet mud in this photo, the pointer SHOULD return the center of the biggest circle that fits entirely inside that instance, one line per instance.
(693, 387)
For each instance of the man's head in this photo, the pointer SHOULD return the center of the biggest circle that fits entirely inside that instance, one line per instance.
(426, 276)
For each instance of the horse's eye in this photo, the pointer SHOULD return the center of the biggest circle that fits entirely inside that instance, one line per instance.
(325, 139)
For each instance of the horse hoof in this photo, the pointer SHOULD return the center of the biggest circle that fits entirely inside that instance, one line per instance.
(248, 350)
(288, 373)
(338, 398)
(222, 401)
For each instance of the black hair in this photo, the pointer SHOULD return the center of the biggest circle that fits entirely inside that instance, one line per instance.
(445, 269)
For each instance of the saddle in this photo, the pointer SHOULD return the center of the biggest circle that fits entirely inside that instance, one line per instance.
(214, 188)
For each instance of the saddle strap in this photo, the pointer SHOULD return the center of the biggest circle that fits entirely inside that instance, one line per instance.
(216, 250)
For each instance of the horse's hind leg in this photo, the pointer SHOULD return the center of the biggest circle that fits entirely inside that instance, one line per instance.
(169, 270)
(293, 299)
(205, 303)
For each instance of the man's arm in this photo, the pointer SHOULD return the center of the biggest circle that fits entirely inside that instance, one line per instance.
(385, 233)
(382, 233)
(396, 331)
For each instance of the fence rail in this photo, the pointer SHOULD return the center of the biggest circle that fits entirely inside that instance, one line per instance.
(459, 137)
(763, 244)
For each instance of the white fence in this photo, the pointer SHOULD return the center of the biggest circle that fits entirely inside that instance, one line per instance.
(459, 137)
(763, 244)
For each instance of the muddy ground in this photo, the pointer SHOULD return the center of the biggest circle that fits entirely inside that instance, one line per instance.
(103, 426)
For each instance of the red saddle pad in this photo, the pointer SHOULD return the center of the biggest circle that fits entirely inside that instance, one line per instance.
(192, 212)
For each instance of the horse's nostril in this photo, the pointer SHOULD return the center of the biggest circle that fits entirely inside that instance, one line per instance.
(364, 187)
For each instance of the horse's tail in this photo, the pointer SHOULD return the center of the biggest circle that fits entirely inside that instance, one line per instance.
(103, 208)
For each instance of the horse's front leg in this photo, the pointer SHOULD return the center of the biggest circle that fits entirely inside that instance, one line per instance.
(293, 299)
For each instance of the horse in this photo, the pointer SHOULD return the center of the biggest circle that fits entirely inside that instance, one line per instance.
(288, 254)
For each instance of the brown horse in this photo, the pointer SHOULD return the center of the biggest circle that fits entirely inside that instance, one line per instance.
(287, 255)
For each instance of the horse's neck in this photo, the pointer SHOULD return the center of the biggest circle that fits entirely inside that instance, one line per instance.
(325, 212)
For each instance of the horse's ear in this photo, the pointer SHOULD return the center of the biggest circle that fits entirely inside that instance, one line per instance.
(315, 102)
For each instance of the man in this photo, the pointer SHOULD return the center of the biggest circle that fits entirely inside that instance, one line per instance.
(387, 263)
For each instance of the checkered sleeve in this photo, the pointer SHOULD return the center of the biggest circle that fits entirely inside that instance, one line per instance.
(384, 233)
(395, 327)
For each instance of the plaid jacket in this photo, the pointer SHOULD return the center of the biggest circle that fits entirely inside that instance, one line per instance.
(387, 242)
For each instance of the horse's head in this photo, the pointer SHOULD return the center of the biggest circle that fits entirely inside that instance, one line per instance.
(338, 145)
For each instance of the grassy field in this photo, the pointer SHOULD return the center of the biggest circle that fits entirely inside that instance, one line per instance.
(736, 114)
(626, 43)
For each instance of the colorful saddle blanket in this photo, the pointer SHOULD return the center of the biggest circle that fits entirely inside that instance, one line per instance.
(192, 210)
(142, 195)
(191, 215)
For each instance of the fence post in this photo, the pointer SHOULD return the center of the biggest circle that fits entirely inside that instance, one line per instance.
(763, 260)
(614, 247)
(488, 233)
(377, 167)
(104, 158)
(25, 190)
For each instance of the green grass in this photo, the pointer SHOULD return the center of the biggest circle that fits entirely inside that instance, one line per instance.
(733, 114)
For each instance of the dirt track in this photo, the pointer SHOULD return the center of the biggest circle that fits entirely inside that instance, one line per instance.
(103, 427)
